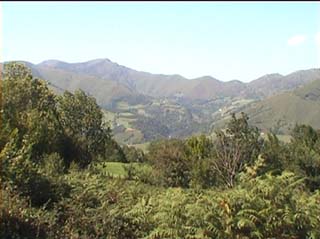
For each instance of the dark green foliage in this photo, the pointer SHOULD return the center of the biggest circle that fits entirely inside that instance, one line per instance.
(304, 156)
(16, 95)
(200, 147)
(18, 219)
(40, 138)
(114, 152)
(29, 106)
(133, 154)
(152, 128)
(256, 208)
(161, 121)
(53, 165)
(275, 153)
(20, 172)
(170, 161)
(81, 119)
(305, 134)
(200, 152)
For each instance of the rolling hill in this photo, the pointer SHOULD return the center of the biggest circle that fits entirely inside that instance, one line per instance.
(281, 112)
(144, 106)
(274, 83)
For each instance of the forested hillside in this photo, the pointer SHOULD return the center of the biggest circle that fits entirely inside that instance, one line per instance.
(64, 176)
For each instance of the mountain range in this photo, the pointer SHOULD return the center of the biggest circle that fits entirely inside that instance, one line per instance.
(271, 100)
(108, 80)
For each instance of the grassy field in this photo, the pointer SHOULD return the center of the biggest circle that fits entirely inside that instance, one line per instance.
(117, 169)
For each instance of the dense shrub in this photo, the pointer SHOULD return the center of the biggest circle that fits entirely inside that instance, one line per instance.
(170, 161)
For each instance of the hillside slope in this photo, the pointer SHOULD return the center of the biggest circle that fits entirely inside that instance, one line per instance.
(282, 111)
(274, 83)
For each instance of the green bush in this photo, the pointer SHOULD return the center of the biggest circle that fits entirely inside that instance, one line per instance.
(53, 165)
(170, 161)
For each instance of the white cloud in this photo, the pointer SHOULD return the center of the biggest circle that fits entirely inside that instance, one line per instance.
(296, 40)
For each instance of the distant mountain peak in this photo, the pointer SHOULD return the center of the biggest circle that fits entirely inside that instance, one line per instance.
(271, 75)
(207, 77)
(100, 60)
(235, 81)
(52, 63)
(58, 63)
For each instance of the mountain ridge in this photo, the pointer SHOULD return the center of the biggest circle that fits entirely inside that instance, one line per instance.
(101, 60)
(160, 85)
(159, 105)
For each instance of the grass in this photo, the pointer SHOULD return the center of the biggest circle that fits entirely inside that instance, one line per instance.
(116, 169)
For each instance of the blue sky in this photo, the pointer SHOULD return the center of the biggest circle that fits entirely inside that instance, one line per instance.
(227, 40)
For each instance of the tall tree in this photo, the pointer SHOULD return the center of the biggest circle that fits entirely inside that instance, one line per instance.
(200, 151)
(304, 158)
(81, 119)
(30, 107)
(235, 147)
(169, 159)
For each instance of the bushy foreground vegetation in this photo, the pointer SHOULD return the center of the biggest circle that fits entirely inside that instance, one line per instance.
(57, 180)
